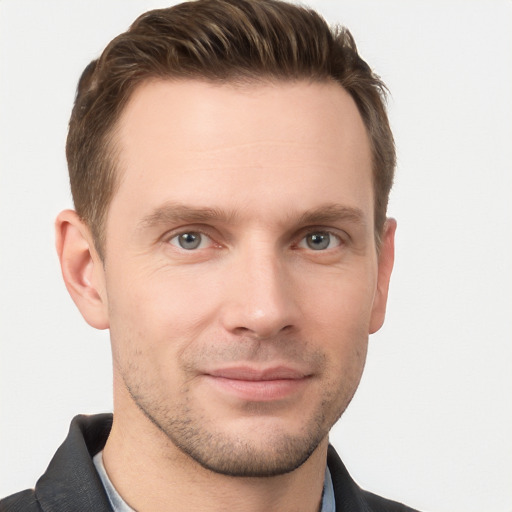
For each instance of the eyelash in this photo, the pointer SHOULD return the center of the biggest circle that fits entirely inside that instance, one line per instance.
(176, 237)
(333, 237)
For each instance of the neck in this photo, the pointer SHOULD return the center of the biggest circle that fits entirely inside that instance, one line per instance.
(152, 474)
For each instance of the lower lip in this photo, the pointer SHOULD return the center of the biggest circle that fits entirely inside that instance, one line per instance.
(258, 390)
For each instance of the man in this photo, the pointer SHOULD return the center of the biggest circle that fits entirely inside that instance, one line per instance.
(230, 163)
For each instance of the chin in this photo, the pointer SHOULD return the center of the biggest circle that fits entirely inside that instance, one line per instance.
(228, 455)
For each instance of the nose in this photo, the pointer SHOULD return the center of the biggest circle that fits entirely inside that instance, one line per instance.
(260, 299)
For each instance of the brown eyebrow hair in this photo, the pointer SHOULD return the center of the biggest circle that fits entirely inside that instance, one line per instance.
(333, 212)
(171, 212)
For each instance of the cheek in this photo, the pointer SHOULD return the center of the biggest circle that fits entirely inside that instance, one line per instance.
(338, 320)
(341, 301)
(157, 311)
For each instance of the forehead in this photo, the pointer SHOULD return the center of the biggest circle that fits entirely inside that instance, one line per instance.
(242, 144)
(206, 113)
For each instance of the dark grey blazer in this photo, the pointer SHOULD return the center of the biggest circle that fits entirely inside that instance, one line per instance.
(71, 483)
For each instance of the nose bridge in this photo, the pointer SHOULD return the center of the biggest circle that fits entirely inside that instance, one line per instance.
(262, 302)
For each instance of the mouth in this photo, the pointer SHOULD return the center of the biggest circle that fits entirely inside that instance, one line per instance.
(258, 385)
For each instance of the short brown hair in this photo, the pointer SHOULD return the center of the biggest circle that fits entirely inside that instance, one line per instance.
(221, 41)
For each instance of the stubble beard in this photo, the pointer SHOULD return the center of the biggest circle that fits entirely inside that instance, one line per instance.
(276, 451)
(228, 453)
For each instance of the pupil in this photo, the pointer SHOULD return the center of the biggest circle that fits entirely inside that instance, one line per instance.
(190, 240)
(319, 241)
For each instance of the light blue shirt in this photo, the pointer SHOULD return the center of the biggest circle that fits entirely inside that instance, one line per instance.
(119, 505)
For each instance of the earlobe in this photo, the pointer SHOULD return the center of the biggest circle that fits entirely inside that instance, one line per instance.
(82, 268)
(385, 262)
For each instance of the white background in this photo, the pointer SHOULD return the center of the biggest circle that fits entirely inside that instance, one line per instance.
(431, 424)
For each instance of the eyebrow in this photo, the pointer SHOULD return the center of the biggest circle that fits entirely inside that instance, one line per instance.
(332, 213)
(172, 213)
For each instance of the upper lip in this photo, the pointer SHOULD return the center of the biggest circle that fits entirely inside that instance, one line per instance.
(258, 374)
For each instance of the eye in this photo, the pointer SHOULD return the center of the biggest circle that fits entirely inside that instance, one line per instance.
(190, 240)
(319, 241)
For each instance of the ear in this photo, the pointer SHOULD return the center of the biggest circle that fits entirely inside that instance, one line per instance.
(385, 263)
(82, 268)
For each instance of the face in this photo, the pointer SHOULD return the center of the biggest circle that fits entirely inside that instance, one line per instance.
(241, 273)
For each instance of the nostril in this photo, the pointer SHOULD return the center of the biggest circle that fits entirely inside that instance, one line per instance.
(242, 330)
(262, 333)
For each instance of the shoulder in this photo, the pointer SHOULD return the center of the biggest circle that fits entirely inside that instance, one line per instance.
(24, 501)
(71, 482)
(349, 496)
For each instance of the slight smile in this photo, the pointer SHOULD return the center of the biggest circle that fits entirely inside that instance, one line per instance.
(258, 385)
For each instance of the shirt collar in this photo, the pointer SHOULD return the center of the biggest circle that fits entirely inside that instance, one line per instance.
(119, 505)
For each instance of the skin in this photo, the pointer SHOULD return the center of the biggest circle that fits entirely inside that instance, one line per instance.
(232, 360)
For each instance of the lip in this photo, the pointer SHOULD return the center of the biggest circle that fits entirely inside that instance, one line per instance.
(258, 385)
(249, 373)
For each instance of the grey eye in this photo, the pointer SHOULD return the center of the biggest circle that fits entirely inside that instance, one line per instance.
(318, 241)
(188, 241)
